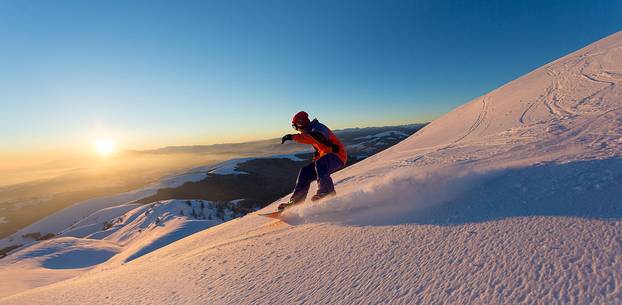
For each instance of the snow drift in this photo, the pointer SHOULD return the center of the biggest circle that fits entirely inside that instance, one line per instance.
(115, 235)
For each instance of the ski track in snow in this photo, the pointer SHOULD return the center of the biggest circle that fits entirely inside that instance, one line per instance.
(512, 198)
(478, 121)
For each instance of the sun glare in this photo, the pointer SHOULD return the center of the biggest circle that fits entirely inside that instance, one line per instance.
(105, 147)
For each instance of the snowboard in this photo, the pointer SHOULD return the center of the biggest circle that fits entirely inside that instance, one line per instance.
(277, 214)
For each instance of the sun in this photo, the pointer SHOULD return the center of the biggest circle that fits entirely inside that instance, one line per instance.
(105, 147)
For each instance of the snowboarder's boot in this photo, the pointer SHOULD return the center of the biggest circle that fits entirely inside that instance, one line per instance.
(288, 204)
(320, 196)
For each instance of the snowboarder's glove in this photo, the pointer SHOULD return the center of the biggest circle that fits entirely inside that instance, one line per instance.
(286, 137)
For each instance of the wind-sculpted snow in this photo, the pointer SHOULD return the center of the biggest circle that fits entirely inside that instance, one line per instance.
(512, 198)
(179, 231)
(52, 261)
(108, 236)
(66, 253)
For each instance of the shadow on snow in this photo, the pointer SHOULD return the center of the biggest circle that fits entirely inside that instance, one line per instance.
(587, 189)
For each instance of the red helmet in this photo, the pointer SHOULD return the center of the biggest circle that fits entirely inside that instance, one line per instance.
(300, 120)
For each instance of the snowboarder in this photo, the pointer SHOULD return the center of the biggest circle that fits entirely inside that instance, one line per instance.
(329, 156)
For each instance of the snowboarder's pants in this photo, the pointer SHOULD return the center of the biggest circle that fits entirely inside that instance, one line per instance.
(319, 170)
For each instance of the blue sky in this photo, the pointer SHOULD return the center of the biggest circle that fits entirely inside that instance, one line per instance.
(156, 73)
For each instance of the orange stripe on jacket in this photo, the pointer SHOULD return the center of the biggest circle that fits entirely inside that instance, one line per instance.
(321, 148)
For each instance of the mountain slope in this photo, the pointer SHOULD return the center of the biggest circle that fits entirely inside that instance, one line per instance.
(511, 198)
(119, 234)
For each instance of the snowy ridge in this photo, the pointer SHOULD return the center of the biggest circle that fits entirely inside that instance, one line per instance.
(513, 198)
(367, 145)
(78, 212)
(108, 234)
(61, 220)
(391, 133)
(97, 221)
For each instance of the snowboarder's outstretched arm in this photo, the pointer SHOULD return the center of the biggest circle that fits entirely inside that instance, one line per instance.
(286, 137)
(310, 138)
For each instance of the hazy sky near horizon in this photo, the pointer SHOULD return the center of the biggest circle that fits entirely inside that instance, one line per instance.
(155, 73)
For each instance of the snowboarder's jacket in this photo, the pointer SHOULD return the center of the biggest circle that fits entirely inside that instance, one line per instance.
(323, 140)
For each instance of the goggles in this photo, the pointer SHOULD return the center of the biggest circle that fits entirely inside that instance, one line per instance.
(297, 127)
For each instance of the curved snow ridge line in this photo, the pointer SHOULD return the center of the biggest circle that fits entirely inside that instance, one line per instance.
(524, 114)
(65, 253)
(590, 97)
(478, 121)
(549, 98)
(554, 99)
(594, 79)
(97, 220)
(573, 135)
(546, 99)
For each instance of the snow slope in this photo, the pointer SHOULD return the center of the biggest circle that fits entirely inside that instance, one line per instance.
(512, 198)
(62, 219)
(104, 235)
